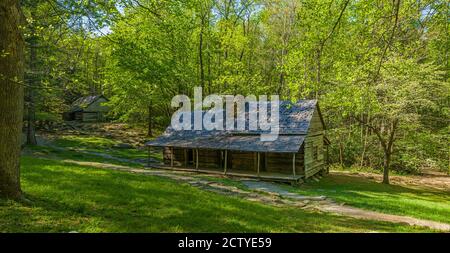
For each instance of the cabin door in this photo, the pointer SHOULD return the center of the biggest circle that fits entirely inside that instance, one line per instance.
(222, 159)
(190, 157)
(262, 161)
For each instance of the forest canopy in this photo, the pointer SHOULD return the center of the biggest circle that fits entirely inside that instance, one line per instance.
(378, 68)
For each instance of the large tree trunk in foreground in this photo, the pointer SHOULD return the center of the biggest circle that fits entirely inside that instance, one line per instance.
(11, 97)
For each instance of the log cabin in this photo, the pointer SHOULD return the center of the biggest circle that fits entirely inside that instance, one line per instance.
(299, 152)
(87, 109)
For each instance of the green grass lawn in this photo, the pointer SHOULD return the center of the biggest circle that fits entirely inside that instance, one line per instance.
(77, 206)
(98, 144)
(86, 148)
(53, 153)
(67, 197)
(393, 199)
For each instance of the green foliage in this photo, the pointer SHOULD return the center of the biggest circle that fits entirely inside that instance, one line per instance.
(371, 65)
(45, 116)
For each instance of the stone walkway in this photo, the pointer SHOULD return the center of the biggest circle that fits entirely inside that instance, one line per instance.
(276, 189)
(327, 205)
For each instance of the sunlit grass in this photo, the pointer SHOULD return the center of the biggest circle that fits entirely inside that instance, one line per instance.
(361, 192)
(68, 197)
(352, 190)
(100, 145)
(91, 148)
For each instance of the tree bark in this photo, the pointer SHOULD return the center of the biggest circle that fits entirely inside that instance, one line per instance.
(386, 164)
(364, 137)
(200, 54)
(396, 7)
(31, 112)
(341, 151)
(386, 145)
(321, 48)
(31, 118)
(11, 97)
(208, 59)
(388, 148)
(150, 120)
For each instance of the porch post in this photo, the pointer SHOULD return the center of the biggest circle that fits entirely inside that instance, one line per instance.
(257, 160)
(196, 158)
(293, 164)
(171, 157)
(148, 157)
(225, 164)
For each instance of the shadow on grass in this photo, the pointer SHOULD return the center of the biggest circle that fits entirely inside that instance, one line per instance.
(101, 145)
(68, 197)
(120, 157)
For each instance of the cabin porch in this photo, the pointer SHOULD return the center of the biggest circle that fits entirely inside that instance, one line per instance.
(258, 165)
(265, 176)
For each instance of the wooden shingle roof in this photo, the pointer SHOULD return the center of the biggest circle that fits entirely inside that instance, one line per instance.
(81, 103)
(294, 121)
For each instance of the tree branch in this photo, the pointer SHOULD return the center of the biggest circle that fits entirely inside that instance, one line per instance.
(391, 38)
(153, 12)
(322, 44)
(375, 130)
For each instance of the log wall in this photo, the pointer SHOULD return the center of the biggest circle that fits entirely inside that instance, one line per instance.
(309, 160)
(282, 162)
(242, 160)
(178, 156)
(314, 148)
(269, 162)
(209, 158)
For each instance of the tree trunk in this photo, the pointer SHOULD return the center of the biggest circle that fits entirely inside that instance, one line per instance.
(388, 151)
(386, 164)
(341, 152)
(31, 118)
(31, 113)
(209, 72)
(364, 139)
(150, 120)
(11, 97)
(318, 74)
(200, 55)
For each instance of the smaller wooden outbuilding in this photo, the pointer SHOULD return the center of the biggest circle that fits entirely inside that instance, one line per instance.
(300, 151)
(87, 109)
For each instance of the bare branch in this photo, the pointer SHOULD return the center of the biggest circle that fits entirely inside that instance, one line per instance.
(322, 44)
(391, 39)
(375, 130)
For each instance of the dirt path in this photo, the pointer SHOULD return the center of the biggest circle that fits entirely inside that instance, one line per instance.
(327, 205)
(273, 194)
(371, 215)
